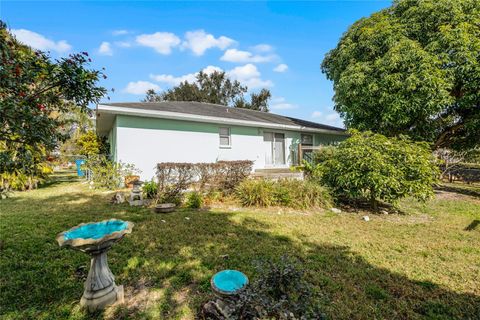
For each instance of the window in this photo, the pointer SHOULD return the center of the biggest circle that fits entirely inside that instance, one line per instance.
(307, 140)
(225, 139)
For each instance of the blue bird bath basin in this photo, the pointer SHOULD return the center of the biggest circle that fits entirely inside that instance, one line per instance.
(96, 230)
(96, 238)
(229, 282)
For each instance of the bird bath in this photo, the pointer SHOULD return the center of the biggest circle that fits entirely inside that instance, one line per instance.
(228, 283)
(95, 239)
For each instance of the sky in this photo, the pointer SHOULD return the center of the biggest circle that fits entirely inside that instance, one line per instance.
(150, 44)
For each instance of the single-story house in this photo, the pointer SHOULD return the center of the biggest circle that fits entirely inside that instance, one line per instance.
(145, 134)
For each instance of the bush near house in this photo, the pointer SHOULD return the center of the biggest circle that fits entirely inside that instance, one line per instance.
(175, 178)
(150, 189)
(107, 174)
(288, 193)
(373, 167)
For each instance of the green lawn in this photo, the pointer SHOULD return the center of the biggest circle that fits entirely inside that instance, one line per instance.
(420, 264)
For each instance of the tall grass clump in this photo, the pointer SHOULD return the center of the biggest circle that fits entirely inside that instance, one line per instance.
(295, 194)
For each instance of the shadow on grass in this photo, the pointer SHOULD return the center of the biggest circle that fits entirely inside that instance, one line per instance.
(459, 189)
(167, 262)
(60, 177)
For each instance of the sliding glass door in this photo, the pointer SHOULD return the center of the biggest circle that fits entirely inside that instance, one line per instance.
(274, 148)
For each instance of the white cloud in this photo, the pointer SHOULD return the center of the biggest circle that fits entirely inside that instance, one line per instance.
(283, 106)
(317, 114)
(332, 118)
(105, 49)
(39, 42)
(250, 76)
(247, 71)
(263, 47)
(172, 80)
(247, 75)
(239, 56)
(199, 41)
(162, 42)
(281, 68)
(280, 103)
(140, 87)
(191, 77)
(120, 32)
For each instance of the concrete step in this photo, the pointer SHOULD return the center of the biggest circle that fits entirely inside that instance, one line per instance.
(273, 170)
(277, 175)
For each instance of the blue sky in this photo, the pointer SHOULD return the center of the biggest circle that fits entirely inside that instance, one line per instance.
(279, 45)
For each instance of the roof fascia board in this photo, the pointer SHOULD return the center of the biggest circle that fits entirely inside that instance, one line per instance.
(200, 118)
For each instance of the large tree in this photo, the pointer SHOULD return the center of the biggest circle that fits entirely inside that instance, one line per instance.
(36, 94)
(216, 88)
(413, 68)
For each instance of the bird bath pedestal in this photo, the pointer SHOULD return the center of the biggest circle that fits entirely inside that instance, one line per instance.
(96, 239)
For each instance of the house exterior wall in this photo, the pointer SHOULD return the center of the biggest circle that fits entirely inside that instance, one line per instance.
(145, 142)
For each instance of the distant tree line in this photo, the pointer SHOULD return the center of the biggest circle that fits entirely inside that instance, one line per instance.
(215, 88)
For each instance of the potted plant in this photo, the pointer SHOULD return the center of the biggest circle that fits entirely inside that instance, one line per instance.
(130, 174)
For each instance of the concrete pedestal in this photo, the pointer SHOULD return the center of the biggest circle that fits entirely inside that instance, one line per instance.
(100, 288)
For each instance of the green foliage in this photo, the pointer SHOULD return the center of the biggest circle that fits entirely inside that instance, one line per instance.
(288, 193)
(412, 69)
(35, 91)
(372, 166)
(279, 291)
(194, 200)
(213, 87)
(150, 189)
(175, 178)
(107, 174)
(89, 144)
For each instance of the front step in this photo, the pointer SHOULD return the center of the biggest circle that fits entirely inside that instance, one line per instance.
(273, 170)
(276, 174)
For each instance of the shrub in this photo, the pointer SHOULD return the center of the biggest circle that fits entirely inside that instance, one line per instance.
(150, 189)
(107, 174)
(175, 178)
(259, 193)
(90, 144)
(374, 167)
(222, 175)
(289, 193)
(194, 200)
(280, 291)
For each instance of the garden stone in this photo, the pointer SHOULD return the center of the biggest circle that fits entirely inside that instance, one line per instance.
(384, 212)
(335, 210)
(366, 218)
(118, 198)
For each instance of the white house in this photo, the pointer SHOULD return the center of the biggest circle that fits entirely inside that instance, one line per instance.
(145, 134)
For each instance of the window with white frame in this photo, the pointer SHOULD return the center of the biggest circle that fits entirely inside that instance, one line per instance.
(225, 138)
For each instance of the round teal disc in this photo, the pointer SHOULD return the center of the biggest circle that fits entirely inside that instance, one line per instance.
(229, 281)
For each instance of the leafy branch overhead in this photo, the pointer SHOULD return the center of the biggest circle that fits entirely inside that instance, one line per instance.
(216, 88)
(35, 94)
(413, 68)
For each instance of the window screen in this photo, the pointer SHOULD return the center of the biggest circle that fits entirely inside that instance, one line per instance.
(224, 137)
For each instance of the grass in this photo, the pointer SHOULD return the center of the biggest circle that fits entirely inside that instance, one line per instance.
(424, 264)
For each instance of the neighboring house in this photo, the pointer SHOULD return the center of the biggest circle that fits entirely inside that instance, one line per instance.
(145, 134)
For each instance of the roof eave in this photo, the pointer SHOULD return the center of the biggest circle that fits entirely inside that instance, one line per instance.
(208, 119)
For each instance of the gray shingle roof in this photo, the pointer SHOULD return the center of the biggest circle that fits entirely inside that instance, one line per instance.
(215, 110)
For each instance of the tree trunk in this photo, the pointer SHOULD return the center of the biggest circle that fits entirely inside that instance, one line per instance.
(374, 203)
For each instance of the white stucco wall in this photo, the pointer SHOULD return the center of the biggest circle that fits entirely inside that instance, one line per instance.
(145, 142)
(146, 147)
